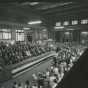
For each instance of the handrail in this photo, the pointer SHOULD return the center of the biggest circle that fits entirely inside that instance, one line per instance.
(29, 64)
(17, 69)
(31, 59)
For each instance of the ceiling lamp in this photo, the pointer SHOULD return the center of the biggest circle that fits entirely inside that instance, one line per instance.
(59, 27)
(35, 22)
(34, 3)
(30, 3)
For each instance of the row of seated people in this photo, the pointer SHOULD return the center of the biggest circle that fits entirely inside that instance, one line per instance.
(53, 75)
(11, 54)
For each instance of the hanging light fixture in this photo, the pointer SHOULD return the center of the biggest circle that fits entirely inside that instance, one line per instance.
(34, 3)
(59, 27)
(35, 22)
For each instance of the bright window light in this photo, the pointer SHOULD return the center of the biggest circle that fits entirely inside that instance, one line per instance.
(44, 30)
(74, 22)
(58, 23)
(67, 33)
(35, 22)
(1, 35)
(50, 40)
(5, 30)
(84, 21)
(6, 35)
(34, 3)
(20, 36)
(12, 42)
(84, 32)
(19, 30)
(66, 23)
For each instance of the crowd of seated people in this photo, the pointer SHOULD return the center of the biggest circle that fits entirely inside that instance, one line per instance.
(11, 54)
(61, 64)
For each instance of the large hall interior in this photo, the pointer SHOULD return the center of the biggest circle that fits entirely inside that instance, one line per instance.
(43, 44)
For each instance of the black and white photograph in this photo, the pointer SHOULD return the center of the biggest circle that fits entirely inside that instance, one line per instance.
(43, 44)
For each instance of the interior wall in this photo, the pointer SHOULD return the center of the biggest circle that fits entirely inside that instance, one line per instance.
(72, 36)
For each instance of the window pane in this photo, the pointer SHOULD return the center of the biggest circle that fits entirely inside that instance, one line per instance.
(1, 35)
(20, 36)
(9, 35)
(66, 23)
(84, 21)
(58, 24)
(6, 35)
(74, 22)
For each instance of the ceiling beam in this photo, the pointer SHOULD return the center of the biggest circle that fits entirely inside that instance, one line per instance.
(65, 8)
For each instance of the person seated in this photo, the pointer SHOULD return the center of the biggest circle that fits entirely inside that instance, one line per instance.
(56, 72)
(28, 53)
(34, 85)
(40, 80)
(20, 85)
(15, 85)
(47, 73)
(51, 80)
(46, 83)
(27, 84)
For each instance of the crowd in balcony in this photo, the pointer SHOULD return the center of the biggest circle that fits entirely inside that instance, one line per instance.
(61, 64)
(17, 52)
